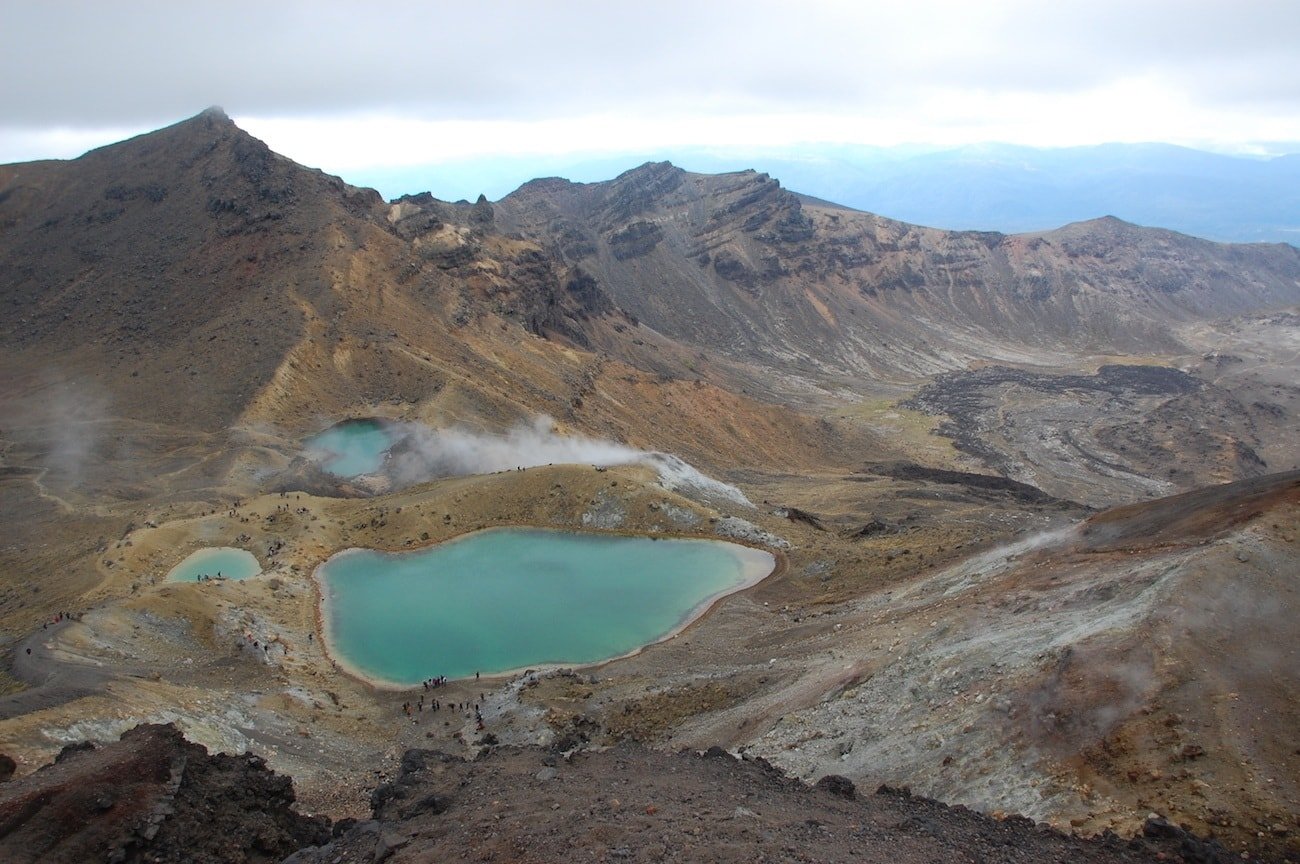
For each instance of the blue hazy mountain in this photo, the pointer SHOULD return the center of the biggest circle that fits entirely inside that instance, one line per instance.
(994, 187)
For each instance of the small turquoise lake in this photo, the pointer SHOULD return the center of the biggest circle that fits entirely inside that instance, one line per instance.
(221, 562)
(352, 448)
(508, 598)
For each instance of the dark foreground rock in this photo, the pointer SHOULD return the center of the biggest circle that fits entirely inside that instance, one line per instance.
(632, 804)
(152, 796)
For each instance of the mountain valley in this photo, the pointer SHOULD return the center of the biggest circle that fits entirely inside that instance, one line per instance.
(1035, 497)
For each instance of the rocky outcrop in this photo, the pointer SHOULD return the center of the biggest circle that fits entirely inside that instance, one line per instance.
(152, 796)
(633, 804)
(980, 484)
(548, 301)
(635, 240)
(641, 189)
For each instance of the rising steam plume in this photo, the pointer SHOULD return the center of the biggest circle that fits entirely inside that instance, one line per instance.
(421, 454)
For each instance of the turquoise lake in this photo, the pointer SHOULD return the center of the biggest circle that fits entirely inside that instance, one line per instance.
(227, 562)
(352, 448)
(506, 599)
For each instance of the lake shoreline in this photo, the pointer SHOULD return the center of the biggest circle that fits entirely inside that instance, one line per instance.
(757, 563)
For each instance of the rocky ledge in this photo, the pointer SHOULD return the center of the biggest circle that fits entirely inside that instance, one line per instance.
(155, 797)
(152, 796)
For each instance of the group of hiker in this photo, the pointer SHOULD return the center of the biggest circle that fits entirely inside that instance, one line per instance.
(264, 645)
(410, 709)
(433, 683)
(60, 617)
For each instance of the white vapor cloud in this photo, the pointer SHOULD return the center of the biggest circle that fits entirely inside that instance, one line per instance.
(423, 453)
(420, 453)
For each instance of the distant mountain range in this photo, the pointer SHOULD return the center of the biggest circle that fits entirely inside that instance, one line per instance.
(195, 253)
(989, 187)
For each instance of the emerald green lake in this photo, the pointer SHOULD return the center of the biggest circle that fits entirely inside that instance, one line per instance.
(506, 599)
(352, 448)
(221, 562)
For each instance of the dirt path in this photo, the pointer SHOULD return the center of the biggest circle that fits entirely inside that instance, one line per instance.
(52, 674)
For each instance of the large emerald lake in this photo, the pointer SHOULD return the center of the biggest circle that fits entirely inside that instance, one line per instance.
(507, 598)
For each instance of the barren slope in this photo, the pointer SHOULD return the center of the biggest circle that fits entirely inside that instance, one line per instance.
(734, 263)
(1143, 661)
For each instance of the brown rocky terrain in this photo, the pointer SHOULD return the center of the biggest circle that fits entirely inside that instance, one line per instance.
(923, 420)
(1135, 662)
(155, 797)
(1124, 432)
(740, 266)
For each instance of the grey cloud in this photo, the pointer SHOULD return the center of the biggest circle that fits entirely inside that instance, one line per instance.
(94, 63)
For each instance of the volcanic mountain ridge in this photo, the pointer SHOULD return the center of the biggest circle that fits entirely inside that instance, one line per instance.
(187, 306)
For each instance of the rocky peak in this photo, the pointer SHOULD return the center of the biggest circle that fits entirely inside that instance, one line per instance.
(641, 189)
(481, 214)
(420, 199)
(546, 186)
(215, 114)
(649, 172)
(204, 129)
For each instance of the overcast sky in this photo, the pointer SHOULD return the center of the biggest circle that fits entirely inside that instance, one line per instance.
(351, 87)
